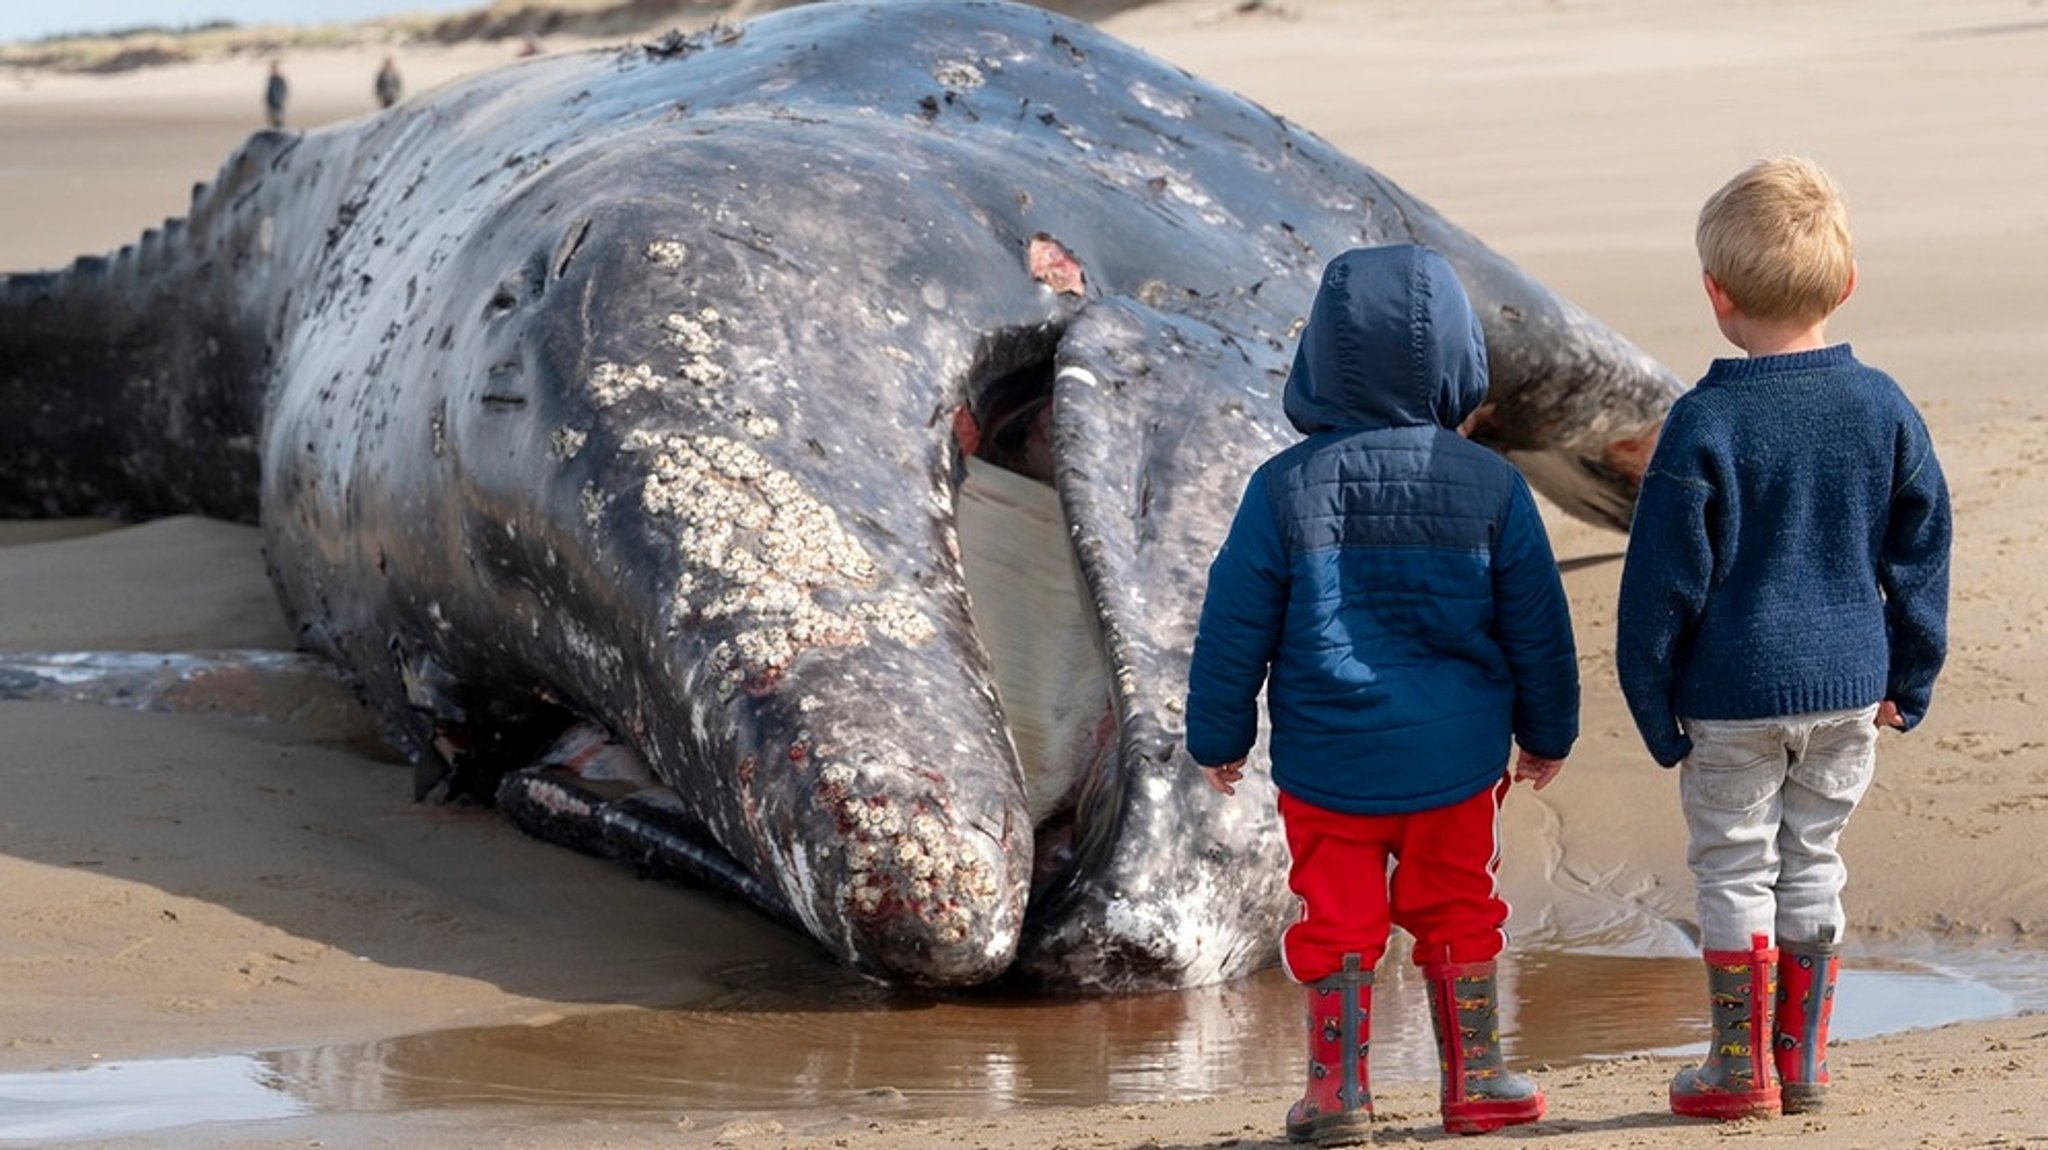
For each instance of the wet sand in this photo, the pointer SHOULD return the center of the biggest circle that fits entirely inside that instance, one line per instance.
(190, 884)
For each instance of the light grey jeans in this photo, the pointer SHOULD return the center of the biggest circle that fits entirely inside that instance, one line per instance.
(1765, 803)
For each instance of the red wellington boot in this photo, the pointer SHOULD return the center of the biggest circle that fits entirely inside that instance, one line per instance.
(1735, 1081)
(1336, 1110)
(1479, 1092)
(1806, 1001)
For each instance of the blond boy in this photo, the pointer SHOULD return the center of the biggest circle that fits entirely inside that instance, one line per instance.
(1785, 595)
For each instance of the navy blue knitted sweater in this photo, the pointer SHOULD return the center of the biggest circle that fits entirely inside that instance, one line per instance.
(1789, 552)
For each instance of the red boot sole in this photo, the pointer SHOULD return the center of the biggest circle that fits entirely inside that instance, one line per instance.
(1486, 1117)
(1726, 1107)
(1350, 1128)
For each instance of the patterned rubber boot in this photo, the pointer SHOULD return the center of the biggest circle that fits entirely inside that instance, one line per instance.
(1479, 1092)
(1336, 1110)
(1806, 1001)
(1735, 1081)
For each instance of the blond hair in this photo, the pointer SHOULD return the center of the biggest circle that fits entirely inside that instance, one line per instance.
(1776, 238)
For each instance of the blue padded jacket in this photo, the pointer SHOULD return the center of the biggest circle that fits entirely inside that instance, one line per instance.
(1388, 583)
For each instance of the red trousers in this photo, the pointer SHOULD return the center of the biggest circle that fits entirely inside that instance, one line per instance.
(1443, 888)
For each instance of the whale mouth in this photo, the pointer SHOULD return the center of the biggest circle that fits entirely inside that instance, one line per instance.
(1031, 606)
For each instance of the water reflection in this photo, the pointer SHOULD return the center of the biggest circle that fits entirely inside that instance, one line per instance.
(806, 1038)
(130, 1097)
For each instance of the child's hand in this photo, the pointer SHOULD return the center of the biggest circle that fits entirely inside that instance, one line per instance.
(1224, 778)
(1888, 716)
(1538, 772)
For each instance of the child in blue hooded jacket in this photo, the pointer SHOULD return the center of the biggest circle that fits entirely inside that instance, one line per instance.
(1390, 586)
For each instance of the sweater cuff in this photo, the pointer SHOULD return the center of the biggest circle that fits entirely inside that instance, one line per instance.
(1671, 752)
(1912, 706)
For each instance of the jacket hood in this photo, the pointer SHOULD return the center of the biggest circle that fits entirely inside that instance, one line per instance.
(1391, 341)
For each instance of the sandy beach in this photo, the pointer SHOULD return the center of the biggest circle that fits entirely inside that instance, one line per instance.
(248, 872)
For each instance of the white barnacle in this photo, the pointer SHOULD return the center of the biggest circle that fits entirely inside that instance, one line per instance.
(667, 254)
(846, 557)
(866, 898)
(731, 458)
(724, 606)
(694, 334)
(812, 626)
(756, 547)
(784, 548)
(567, 442)
(690, 333)
(882, 819)
(763, 649)
(705, 546)
(724, 659)
(959, 74)
(972, 876)
(912, 856)
(784, 493)
(701, 371)
(612, 382)
(777, 595)
(743, 566)
(897, 620)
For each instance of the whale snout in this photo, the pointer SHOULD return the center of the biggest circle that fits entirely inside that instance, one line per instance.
(927, 885)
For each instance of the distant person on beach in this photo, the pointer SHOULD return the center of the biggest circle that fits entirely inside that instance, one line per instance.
(275, 91)
(388, 87)
(1390, 586)
(1784, 596)
(529, 45)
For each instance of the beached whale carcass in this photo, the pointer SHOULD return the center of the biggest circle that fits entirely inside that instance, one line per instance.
(676, 399)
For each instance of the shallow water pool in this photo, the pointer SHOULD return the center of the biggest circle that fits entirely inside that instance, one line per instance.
(813, 1038)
